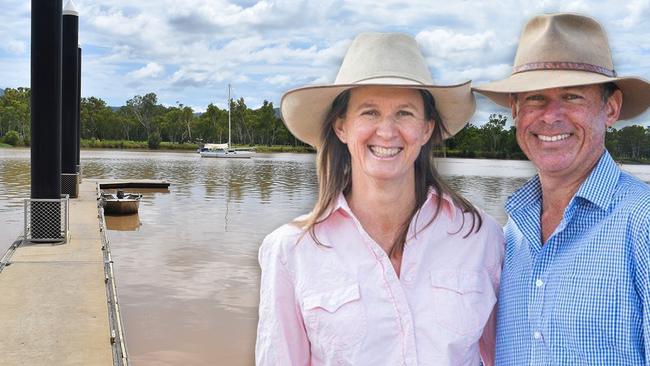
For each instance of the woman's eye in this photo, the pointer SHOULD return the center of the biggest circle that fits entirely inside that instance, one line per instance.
(371, 113)
(404, 114)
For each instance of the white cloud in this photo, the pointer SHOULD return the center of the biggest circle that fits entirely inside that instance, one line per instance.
(267, 47)
(279, 80)
(638, 10)
(15, 47)
(151, 70)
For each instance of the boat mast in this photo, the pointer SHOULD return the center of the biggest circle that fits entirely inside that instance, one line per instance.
(229, 104)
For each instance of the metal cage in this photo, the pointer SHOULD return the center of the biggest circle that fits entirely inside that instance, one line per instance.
(47, 220)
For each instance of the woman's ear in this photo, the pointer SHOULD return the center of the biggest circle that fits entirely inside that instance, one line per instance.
(428, 130)
(340, 129)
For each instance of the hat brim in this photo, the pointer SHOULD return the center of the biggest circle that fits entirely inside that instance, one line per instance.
(304, 109)
(636, 91)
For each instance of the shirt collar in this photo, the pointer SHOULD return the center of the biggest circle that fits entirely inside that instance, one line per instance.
(597, 188)
(342, 207)
(448, 208)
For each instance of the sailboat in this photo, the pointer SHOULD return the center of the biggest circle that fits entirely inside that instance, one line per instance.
(225, 150)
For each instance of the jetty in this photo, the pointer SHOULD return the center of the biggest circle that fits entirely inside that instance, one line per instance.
(58, 302)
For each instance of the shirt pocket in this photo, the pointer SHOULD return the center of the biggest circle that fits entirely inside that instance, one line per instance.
(335, 319)
(462, 300)
(585, 315)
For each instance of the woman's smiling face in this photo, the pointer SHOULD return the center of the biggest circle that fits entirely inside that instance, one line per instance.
(384, 129)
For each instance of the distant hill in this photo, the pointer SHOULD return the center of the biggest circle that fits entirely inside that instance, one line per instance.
(2, 92)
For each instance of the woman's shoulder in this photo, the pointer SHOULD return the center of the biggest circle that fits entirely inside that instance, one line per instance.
(285, 233)
(283, 240)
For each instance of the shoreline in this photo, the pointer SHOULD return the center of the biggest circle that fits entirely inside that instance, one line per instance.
(186, 148)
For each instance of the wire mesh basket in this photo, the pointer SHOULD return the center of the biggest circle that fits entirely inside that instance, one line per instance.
(46, 220)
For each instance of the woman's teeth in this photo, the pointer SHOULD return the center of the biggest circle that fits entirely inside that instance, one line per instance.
(385, 152)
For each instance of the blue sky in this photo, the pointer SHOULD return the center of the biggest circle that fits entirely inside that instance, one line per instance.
(188, 51)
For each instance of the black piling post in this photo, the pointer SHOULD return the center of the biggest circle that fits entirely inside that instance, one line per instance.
(69, 141)
(78, 112)
(45, 218)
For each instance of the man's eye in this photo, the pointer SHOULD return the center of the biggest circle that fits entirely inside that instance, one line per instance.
(535, 98)
(572, 97)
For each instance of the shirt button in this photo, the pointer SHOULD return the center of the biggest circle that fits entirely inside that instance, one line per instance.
(539, 283)
(537, 335)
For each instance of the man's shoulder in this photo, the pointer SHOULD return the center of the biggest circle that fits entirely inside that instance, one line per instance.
(634, 194)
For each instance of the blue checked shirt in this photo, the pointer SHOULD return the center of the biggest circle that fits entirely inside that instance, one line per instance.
(584, 297)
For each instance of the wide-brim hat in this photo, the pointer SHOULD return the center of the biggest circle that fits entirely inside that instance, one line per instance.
(564, 50)
(375, 59)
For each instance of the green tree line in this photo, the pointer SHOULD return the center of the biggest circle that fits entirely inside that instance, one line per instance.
(142, 118)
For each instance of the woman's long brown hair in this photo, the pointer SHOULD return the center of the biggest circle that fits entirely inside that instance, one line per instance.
(334, 174)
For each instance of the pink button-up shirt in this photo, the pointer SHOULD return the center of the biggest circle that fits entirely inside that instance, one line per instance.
(341, 303)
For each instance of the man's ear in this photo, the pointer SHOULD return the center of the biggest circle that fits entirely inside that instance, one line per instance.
(613, 106)
(513, 105)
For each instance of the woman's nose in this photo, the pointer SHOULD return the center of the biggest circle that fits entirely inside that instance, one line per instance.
(387, 127)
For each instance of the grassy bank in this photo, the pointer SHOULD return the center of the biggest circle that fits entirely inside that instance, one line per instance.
(4, 145)
(127, 144)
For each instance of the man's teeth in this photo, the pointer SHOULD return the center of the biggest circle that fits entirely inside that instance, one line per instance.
(553, 138)
(384, 152)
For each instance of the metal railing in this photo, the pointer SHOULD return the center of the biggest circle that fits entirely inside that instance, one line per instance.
(47, 220)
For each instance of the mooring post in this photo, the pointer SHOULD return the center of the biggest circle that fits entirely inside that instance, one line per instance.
(69, 138)
(78, 113)
(45, 218)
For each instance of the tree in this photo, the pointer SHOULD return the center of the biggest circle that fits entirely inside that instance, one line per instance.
(143, 108)
(468, 140)
(493, 131)
(14, 111)
(97, 120)
(632, 141)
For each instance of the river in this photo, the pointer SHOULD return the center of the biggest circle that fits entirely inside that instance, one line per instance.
(186, 267)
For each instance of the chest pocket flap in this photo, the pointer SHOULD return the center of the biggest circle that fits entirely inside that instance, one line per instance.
(333, 299)
(459, 282)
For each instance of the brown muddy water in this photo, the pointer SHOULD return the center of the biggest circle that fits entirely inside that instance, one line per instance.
(186, 266)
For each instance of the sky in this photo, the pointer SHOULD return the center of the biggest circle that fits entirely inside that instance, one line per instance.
(188, 51)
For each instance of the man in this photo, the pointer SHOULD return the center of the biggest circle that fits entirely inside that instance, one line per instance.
(575, 287)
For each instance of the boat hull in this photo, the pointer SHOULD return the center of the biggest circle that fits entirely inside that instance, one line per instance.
(121, 207)
(228, 154)
(125, 204)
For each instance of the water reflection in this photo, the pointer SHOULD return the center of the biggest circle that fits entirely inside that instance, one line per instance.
(123, 223)
(186, 267)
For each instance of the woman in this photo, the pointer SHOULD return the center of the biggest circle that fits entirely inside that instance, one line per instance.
(391, 267)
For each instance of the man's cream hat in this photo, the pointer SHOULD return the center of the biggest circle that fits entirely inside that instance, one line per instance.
(375, 59)
(563, 50)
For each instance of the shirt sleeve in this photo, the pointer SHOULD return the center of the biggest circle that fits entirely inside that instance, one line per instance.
(487, 343)
(281, 335)
(642, 280)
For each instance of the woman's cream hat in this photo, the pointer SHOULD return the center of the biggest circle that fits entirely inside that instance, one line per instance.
(375, 59)
(563, 50)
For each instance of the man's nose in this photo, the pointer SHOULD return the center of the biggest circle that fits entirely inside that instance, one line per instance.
(553, 111)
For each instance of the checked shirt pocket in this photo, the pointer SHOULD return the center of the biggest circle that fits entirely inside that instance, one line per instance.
(586, 313)
(462, 300)
(335, 319)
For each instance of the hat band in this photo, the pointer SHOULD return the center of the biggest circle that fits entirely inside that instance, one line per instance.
(564, 66)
